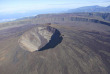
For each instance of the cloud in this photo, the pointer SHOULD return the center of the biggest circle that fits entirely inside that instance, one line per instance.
(6, 20)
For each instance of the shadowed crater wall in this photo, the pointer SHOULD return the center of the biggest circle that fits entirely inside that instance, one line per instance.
(54, 41)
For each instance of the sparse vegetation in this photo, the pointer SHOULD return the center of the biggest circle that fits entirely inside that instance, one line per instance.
(84, 49)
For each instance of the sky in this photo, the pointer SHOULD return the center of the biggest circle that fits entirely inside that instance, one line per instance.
(15, 9)
(23, 6)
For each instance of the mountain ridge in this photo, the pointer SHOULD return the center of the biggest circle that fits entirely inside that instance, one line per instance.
(95, 8)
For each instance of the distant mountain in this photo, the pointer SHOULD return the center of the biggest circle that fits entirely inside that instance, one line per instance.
(91, 9)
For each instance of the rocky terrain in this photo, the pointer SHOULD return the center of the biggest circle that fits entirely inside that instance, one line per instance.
(66, 45)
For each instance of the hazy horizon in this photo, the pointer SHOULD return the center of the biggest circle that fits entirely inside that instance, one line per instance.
(9, 9)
